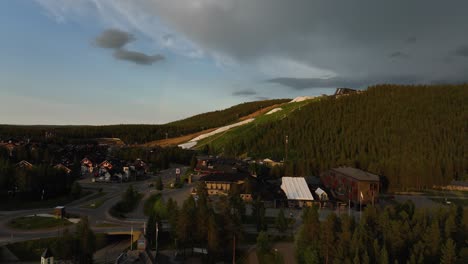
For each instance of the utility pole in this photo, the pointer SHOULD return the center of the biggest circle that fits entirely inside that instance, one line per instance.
(286, 148)
(234, 250)
(131, 239)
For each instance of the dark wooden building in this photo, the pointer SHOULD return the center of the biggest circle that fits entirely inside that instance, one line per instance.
(351, 184)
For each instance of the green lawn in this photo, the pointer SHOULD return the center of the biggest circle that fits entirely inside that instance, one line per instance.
(149, 203)
(123, 207)
(219, 140)
(37, 222)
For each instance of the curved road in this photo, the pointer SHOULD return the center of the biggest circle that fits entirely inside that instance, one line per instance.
(96, 216)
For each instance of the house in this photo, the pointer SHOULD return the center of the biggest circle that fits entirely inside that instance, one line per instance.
(221, 183)
(59, 212)
(47, 257)
(140, 167)
(344, 91)
(351, 184)
(272, 163)
(297, 192)
(10, 147)
(323, 196)
(62, 167)
(106, 165)
(24, 165)
(86, 167)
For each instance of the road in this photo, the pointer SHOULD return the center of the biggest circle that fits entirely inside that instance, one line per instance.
(97, 217)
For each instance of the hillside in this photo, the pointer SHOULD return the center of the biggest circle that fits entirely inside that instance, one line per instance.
(138, 134)
(415, 136)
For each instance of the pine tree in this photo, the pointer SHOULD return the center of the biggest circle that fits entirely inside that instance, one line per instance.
(448, 253)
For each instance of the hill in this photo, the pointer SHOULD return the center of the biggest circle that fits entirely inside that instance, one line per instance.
(137, 134)
(414, 136)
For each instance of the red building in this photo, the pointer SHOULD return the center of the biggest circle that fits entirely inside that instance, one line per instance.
(351, 184)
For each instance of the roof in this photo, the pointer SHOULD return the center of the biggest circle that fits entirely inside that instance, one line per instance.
(296, 188)
(320, 192)
(47, 253)
(357, 174)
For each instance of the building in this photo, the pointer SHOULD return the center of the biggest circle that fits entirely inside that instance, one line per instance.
(344, 91)
(351, 184)
(60, 166)
(297, 191)
(24, 165)
(47, 257)
(59, 212)
(323, 196)
(221, 183)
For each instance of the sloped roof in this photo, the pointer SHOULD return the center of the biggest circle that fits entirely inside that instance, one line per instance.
(357, 174)
(47, 253)
(296, 188)
(320, 191)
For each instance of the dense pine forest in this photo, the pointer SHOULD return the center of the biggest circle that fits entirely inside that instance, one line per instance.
(137, 134)
(415, 136)
(394, 234)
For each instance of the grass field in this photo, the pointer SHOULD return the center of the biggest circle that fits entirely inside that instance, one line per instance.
(219, 140)
(149, 203)
(37, 222)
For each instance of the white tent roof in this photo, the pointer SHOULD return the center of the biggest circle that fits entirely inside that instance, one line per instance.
(320, 191)
(296, 188)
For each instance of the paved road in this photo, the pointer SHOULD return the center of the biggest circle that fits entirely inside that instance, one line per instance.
(96, 216)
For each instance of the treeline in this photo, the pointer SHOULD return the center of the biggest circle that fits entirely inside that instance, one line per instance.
(396, 234)
(134, 134)
(415, 136)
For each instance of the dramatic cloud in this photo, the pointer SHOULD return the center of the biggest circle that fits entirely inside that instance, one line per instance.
(137, 57)
(244, 93)
(116, 39)
(113, 39)
(341, 43)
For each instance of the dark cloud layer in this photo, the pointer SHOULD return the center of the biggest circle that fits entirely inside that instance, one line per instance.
(137, 57)
(113, 39)
(244, 92)
(308, 83)
(354, 40)
(117, 39)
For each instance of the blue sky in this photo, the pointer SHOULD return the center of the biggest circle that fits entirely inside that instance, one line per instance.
(216, 54)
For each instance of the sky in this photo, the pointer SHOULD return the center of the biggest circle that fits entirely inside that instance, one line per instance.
(154, 61)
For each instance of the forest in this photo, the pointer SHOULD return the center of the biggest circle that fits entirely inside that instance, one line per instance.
(138, 133)
(394, 234)
(414, 136)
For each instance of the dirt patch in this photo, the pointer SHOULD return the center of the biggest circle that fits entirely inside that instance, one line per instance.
(175, 141)
(260, 112)
(183, 139)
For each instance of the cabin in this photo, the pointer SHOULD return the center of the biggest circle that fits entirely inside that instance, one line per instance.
(349, 184)
(47, 257)
(323, 196)
(297, 191)
(24, 165)
(62, 167)
(86, 167)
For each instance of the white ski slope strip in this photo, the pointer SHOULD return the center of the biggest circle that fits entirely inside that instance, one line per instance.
(302, 98)
(194, 141)
(274, 111)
